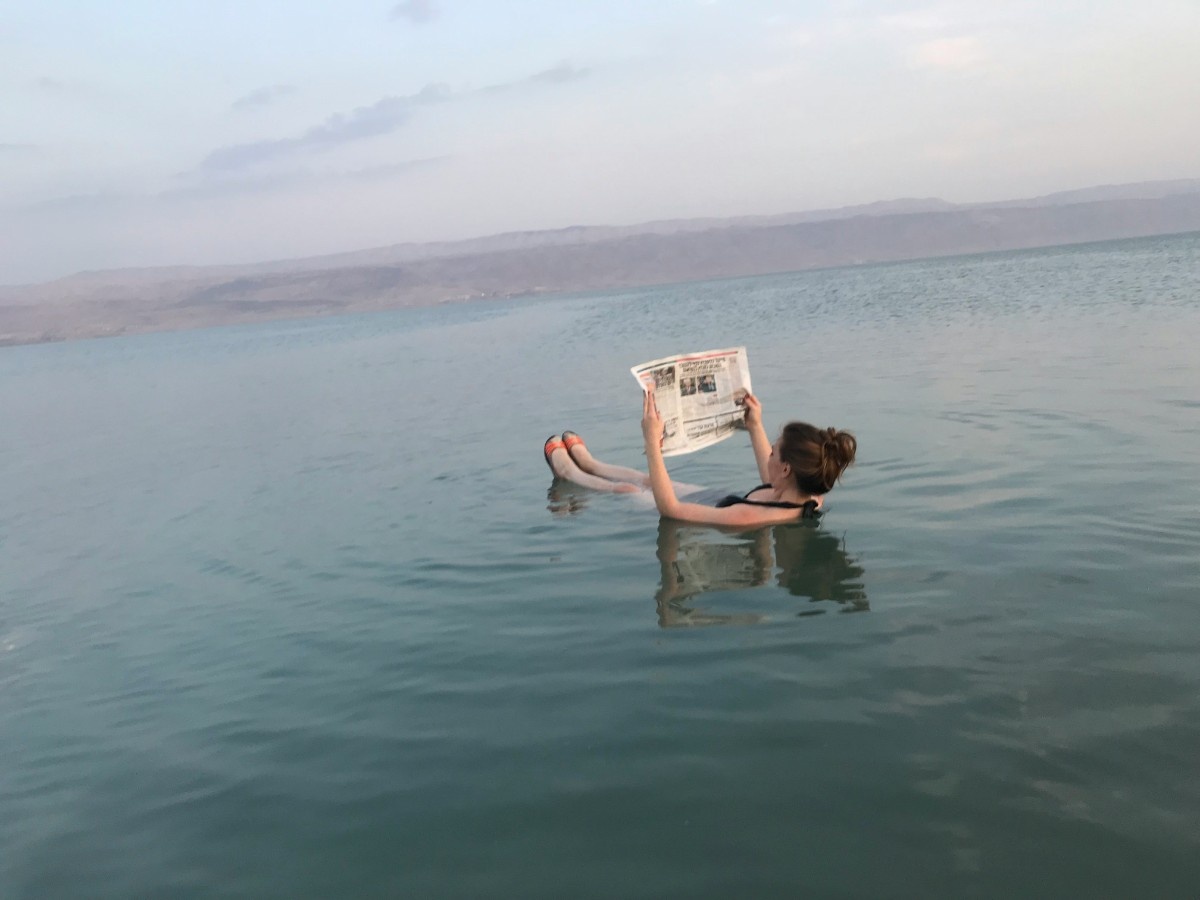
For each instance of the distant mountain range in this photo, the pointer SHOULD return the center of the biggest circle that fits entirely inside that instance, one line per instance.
(122, 301)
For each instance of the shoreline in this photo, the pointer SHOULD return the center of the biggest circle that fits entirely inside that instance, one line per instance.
(107, 310)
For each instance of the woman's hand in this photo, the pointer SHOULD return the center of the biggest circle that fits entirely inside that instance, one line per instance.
(753, 411)
(652, 423)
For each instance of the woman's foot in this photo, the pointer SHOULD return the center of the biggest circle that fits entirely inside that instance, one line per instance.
(552, 447)
(564, 466)
(578, 450)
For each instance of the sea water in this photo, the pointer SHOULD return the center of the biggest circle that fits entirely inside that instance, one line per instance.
(295, 610)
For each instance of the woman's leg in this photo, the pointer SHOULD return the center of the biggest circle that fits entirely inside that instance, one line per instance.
(590, 465)
(563, 466)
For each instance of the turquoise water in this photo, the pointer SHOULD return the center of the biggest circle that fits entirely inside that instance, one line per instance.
(295, 611)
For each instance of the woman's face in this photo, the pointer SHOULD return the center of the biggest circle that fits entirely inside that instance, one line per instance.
(777, 470)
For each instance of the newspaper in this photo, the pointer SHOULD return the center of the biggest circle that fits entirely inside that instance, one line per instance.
(700, 396)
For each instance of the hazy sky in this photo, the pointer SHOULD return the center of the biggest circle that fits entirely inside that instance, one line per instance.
(145, 132)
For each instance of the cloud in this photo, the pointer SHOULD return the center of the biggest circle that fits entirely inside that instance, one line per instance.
(258, 183)
(18, 149)
(51, 85)
(914, 20)
(66, 89)
(263, 96)
(384, 173)
(560, 74)
(108, 201)
(949, 53)
(104, 201)
(380, 118)
(418, 12)
(48, 84)
(794, 38)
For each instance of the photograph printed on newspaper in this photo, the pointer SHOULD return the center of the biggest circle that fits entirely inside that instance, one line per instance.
(700, 396)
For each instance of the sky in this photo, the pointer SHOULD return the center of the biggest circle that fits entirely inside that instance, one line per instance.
(143, 132)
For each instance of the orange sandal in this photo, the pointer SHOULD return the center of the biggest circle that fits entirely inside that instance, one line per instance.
(552, 444)
(571, 439)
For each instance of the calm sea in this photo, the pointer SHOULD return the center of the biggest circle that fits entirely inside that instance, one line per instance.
(295, 611)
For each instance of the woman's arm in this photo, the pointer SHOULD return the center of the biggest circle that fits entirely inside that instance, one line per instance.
(652, 434)
(759, 441)
(664, 492)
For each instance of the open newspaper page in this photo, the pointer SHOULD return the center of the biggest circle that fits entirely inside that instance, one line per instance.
(700, 396)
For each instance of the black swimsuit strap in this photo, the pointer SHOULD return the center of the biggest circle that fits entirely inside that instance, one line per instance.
(808, 507)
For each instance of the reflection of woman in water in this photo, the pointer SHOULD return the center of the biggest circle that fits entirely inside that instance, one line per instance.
(797, 471)
(808, 562)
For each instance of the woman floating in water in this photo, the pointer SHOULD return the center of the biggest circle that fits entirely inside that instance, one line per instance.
(798, 470)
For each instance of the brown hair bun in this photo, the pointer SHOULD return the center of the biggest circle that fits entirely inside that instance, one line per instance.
(818, 456)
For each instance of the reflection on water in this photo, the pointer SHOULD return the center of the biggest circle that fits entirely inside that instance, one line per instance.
(801, 558)
(813, 563)
(565, 499)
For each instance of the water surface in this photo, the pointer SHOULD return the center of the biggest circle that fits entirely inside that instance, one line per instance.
(294, 610)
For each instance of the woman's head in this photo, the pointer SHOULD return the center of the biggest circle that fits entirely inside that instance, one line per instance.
(814, 457)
